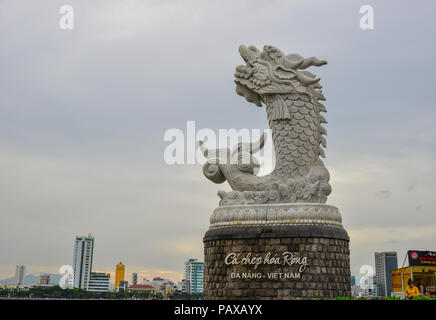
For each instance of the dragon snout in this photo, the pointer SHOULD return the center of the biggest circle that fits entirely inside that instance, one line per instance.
(243, 72)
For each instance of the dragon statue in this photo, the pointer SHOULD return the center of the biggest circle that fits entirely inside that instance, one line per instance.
(292, 98)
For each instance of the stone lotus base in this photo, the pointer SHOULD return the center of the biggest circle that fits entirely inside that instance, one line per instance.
(304, 258)
(275, 215)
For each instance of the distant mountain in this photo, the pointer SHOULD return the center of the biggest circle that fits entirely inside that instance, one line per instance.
(30, 278)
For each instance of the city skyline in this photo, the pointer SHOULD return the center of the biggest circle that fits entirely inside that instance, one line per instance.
(83, 251)
(84, 113)
(174, 276)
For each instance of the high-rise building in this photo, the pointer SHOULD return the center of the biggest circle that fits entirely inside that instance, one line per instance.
(99, 281)
(134, 278)
(44, 279)
(119, 274)
(20, 271)
(82, 261)
(194, 275)
(385, 262)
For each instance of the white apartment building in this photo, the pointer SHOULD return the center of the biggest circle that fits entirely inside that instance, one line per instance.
(82, 261)
(99, 282)
(194, 276)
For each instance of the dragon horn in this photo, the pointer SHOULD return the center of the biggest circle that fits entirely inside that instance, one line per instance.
(293, 61)
(312, 61)
(305, 79)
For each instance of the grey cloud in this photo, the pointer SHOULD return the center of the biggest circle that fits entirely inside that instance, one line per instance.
(411, 187)
(384, 194)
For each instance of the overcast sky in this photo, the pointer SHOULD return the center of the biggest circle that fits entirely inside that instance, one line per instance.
(83, 113)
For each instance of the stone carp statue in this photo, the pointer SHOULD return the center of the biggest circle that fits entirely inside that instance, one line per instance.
(292, 99)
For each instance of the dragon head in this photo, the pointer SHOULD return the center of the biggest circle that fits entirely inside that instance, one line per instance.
(272, 72)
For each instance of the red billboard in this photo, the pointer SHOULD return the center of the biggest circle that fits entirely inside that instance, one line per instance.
(421, 258)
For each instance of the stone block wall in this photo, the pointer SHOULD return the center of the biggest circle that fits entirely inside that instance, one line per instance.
(327, 274)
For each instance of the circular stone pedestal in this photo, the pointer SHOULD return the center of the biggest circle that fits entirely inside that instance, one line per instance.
(294, 251)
